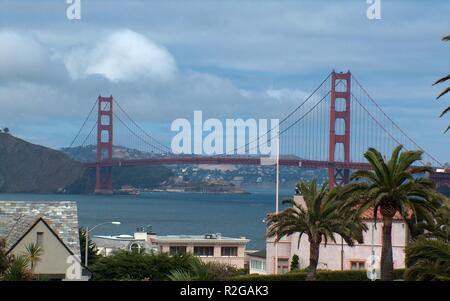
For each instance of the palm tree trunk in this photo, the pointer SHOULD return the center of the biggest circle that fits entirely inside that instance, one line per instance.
(313, 260)
(387, 262)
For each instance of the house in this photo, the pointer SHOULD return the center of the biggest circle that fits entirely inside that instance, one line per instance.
(257, 262)
(338, 255)
(208, 247)
(106, 245)
(51, 225)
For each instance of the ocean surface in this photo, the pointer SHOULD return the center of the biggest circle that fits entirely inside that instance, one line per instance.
(233, 215)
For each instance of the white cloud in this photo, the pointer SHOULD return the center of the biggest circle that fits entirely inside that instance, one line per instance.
(21, 56)
(122, 56)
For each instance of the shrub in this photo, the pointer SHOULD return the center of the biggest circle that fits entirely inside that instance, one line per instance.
(322, 275)
(124, 265)
(294, 262)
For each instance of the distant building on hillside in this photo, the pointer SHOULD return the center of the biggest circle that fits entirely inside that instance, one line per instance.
(337, 256)
(208, 247)
(51, 225)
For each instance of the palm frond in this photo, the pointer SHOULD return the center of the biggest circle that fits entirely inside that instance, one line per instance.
(443, 92)
(442, 79)
(445, 111)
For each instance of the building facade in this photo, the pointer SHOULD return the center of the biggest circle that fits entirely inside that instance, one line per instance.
(208, 247)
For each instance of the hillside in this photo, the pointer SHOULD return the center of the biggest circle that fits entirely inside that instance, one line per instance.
(26, 167)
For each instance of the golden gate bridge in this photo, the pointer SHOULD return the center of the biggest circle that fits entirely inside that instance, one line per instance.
(331, 129)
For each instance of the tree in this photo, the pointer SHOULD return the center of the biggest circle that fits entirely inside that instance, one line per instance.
(391, 187)
(320, 217)
(428, 259)
(294, 262)
(33, 253)
(6, 130)
(438, 228)
(92, 248)
(446, 90)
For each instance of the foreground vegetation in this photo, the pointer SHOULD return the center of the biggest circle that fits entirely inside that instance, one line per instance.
(123, 265)
(19, 267)
(322, 275)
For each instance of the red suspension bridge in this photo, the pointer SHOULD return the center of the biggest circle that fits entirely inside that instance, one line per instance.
(330, 129)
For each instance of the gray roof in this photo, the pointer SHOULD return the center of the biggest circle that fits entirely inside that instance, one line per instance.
(117, 243)
(259, 254)
(16, 218)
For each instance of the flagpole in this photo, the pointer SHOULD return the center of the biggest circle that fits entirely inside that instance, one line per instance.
(277, 184)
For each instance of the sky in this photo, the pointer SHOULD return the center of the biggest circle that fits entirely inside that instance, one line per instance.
(230, 59)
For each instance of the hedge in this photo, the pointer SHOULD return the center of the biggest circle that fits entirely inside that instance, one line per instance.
(322, 275)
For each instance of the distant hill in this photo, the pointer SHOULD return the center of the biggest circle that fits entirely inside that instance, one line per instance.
(88, 153)
(27, 167)
(30, 168)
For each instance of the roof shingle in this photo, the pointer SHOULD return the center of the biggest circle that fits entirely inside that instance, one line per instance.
(17, 217)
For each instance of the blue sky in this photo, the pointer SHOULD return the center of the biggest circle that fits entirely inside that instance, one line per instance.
(227, 58)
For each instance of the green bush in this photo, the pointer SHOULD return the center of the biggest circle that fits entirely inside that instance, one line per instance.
(322, 275)
(124, 265)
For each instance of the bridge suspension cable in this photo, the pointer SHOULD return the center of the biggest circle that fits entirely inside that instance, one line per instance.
(154, 142)
(84, 123)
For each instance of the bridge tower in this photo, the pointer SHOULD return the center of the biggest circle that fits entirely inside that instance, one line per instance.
(339, 176)
(103, 176)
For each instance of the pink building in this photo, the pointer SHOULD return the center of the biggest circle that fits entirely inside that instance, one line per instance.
(209, 247)
(337, 256)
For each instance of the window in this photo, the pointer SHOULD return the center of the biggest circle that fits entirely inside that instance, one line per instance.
(40, 239)
(258, 264)
(135, 247)
(357, 265)
(176, 250)
(229, 251)
(204, 251)
(283, 265)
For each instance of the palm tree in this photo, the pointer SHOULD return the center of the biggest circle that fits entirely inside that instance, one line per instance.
(201, 271)
(428, 259)
(439, 228)
(18, 269)
(391, 187)
(33, 253)
(446, 90)
(320, 218)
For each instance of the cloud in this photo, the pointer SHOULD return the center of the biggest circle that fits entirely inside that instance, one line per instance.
(228, 64)
(21, 56)
(122, 56)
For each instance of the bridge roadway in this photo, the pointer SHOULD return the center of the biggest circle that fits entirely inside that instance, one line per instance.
(438, 174)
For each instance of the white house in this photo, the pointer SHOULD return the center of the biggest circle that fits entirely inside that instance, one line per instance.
(208, 247)
(51, 225)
